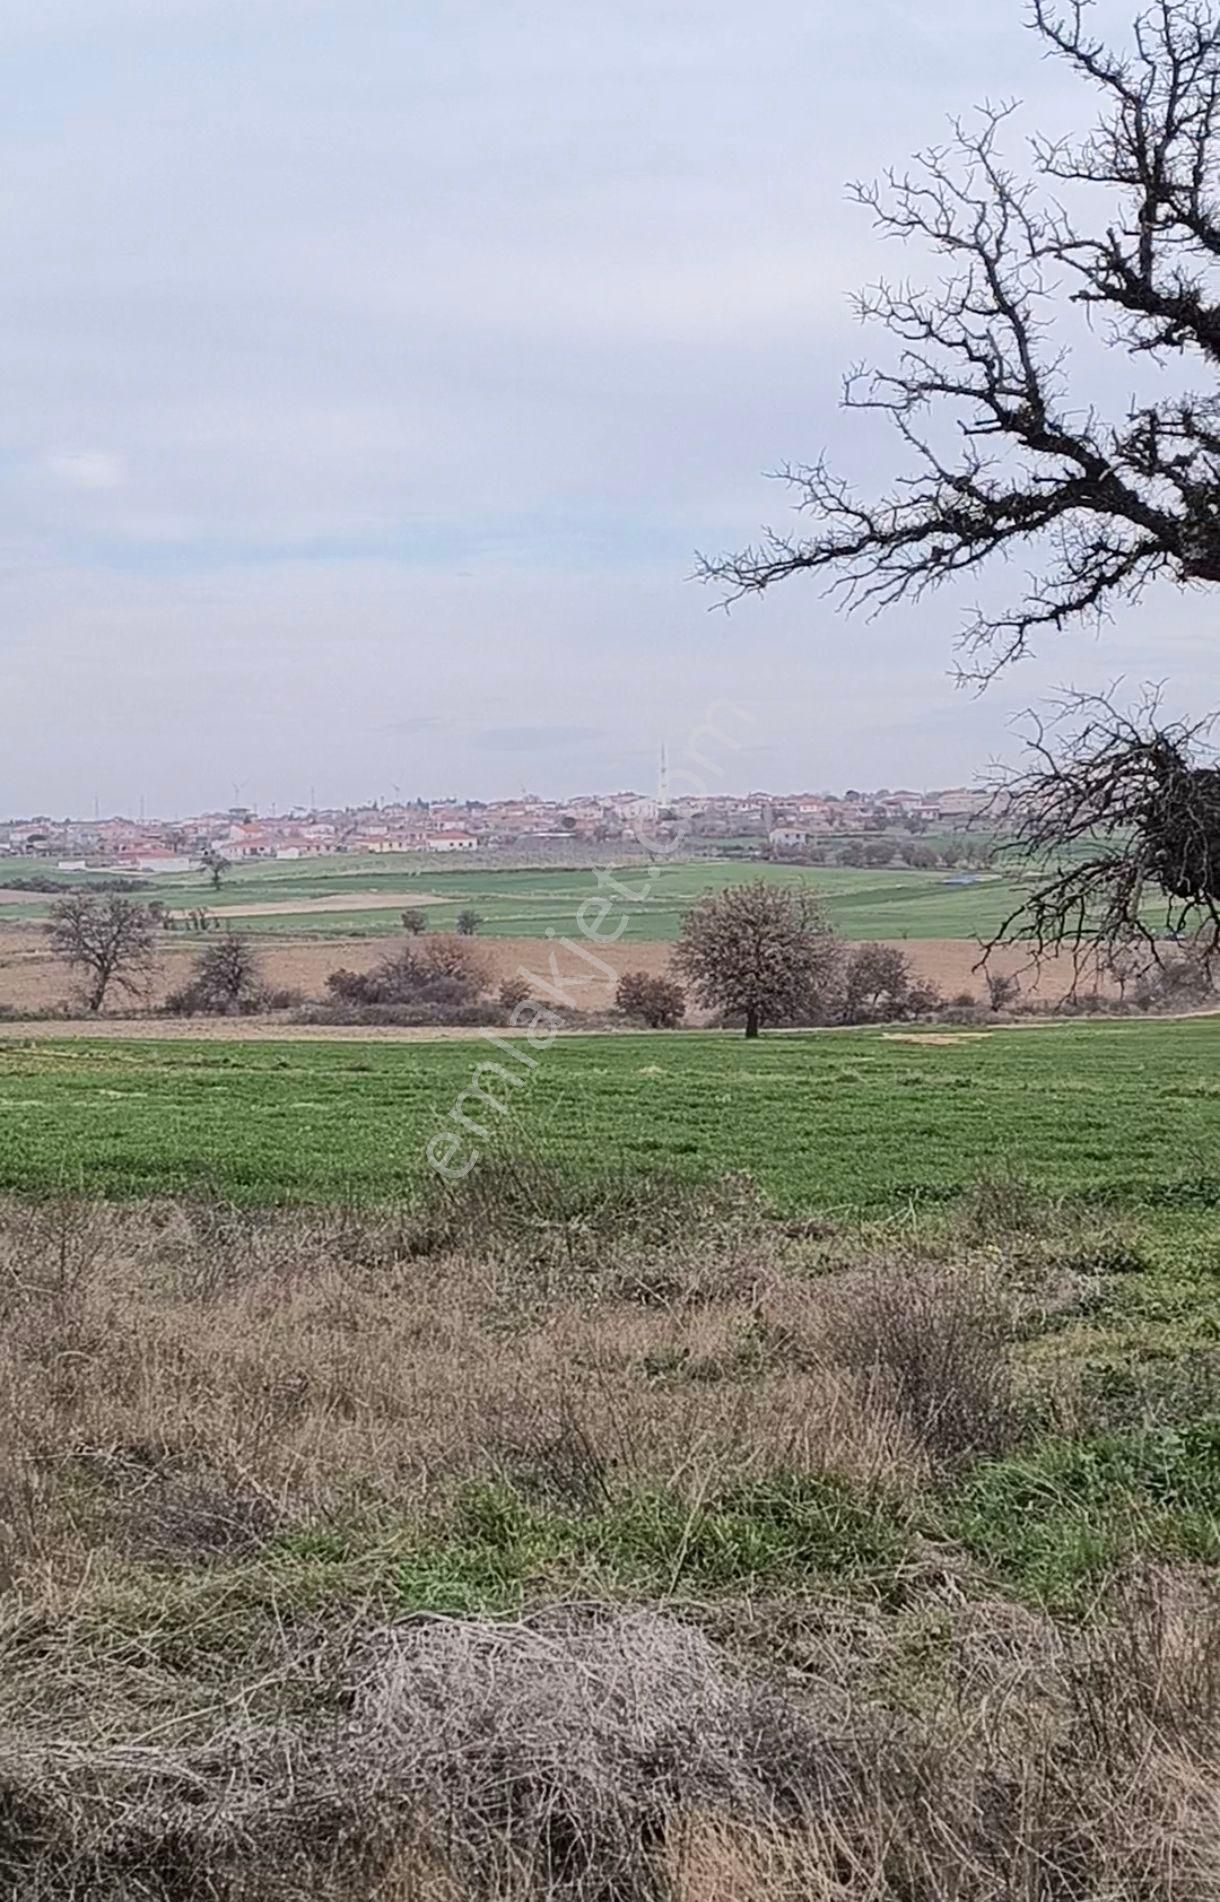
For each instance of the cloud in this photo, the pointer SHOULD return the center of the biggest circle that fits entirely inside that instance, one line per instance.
(419, 723)
(92, 470)
(536, 739)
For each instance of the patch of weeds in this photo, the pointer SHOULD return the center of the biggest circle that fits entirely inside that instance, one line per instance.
(1103, 1256)
(778, 1535)
(773, 1534)
(1158, 1391)
(1000, 1205)
(539, 1207)
(1053, 1524)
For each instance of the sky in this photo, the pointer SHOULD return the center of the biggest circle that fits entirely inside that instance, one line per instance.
(374, 369)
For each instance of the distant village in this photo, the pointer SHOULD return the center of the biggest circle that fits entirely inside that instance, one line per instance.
(757, 824)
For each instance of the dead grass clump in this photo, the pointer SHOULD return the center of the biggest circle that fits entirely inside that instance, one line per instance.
(567, 1744)
(935, 1347)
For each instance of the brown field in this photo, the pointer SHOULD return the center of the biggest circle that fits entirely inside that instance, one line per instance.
(31, 979)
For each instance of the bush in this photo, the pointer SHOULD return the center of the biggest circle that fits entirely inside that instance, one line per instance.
(1182, 981)
(513, 992)
(479, 1012)
(468, 923)
(227, 982)
(1002, 990)
(449, 956)
(444, 974)
(655, 1001)
(937, 1343)
(877, 985)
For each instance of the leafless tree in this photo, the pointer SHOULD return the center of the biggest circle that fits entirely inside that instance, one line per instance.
(109, 939)
(227, 980)
(762, 952)
(1124, 808)
(1005, 454)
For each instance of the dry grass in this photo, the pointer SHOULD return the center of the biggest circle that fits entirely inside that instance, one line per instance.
(588, 1754)
(221, 1433)
(182, 1381)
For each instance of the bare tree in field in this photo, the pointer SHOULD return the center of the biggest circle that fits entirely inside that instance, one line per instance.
(1006, 460)
(227, 980)
(762, 952)
(110, 940)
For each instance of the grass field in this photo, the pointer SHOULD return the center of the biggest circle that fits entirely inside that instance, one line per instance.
(856, 1120)
(515, 903)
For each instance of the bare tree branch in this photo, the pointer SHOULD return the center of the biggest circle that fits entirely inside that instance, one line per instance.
(1000, 460)
(1116, 822)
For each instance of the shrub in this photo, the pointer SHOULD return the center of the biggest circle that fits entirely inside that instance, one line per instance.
(937, 1343)
(449, 956)
(877, 984)
(468, 923)
(1183, 980)
(479, 1012)
(655, 1001)
(1002, 990)
(443, 974)
(227, 982)
(513, 992)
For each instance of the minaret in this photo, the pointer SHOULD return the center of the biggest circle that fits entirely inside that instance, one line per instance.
(663, 780)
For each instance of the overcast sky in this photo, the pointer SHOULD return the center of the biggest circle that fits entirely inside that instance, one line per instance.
(373, 370)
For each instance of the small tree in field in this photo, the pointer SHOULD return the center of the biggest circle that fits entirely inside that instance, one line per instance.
(215, 864)
(762, 952)
(414, 921)
(110, 940)
(655, 1001)
(227, 980)
(468, 923)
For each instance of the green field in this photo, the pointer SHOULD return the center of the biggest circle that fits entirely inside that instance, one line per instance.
(528, 903)
(1127, 1113)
